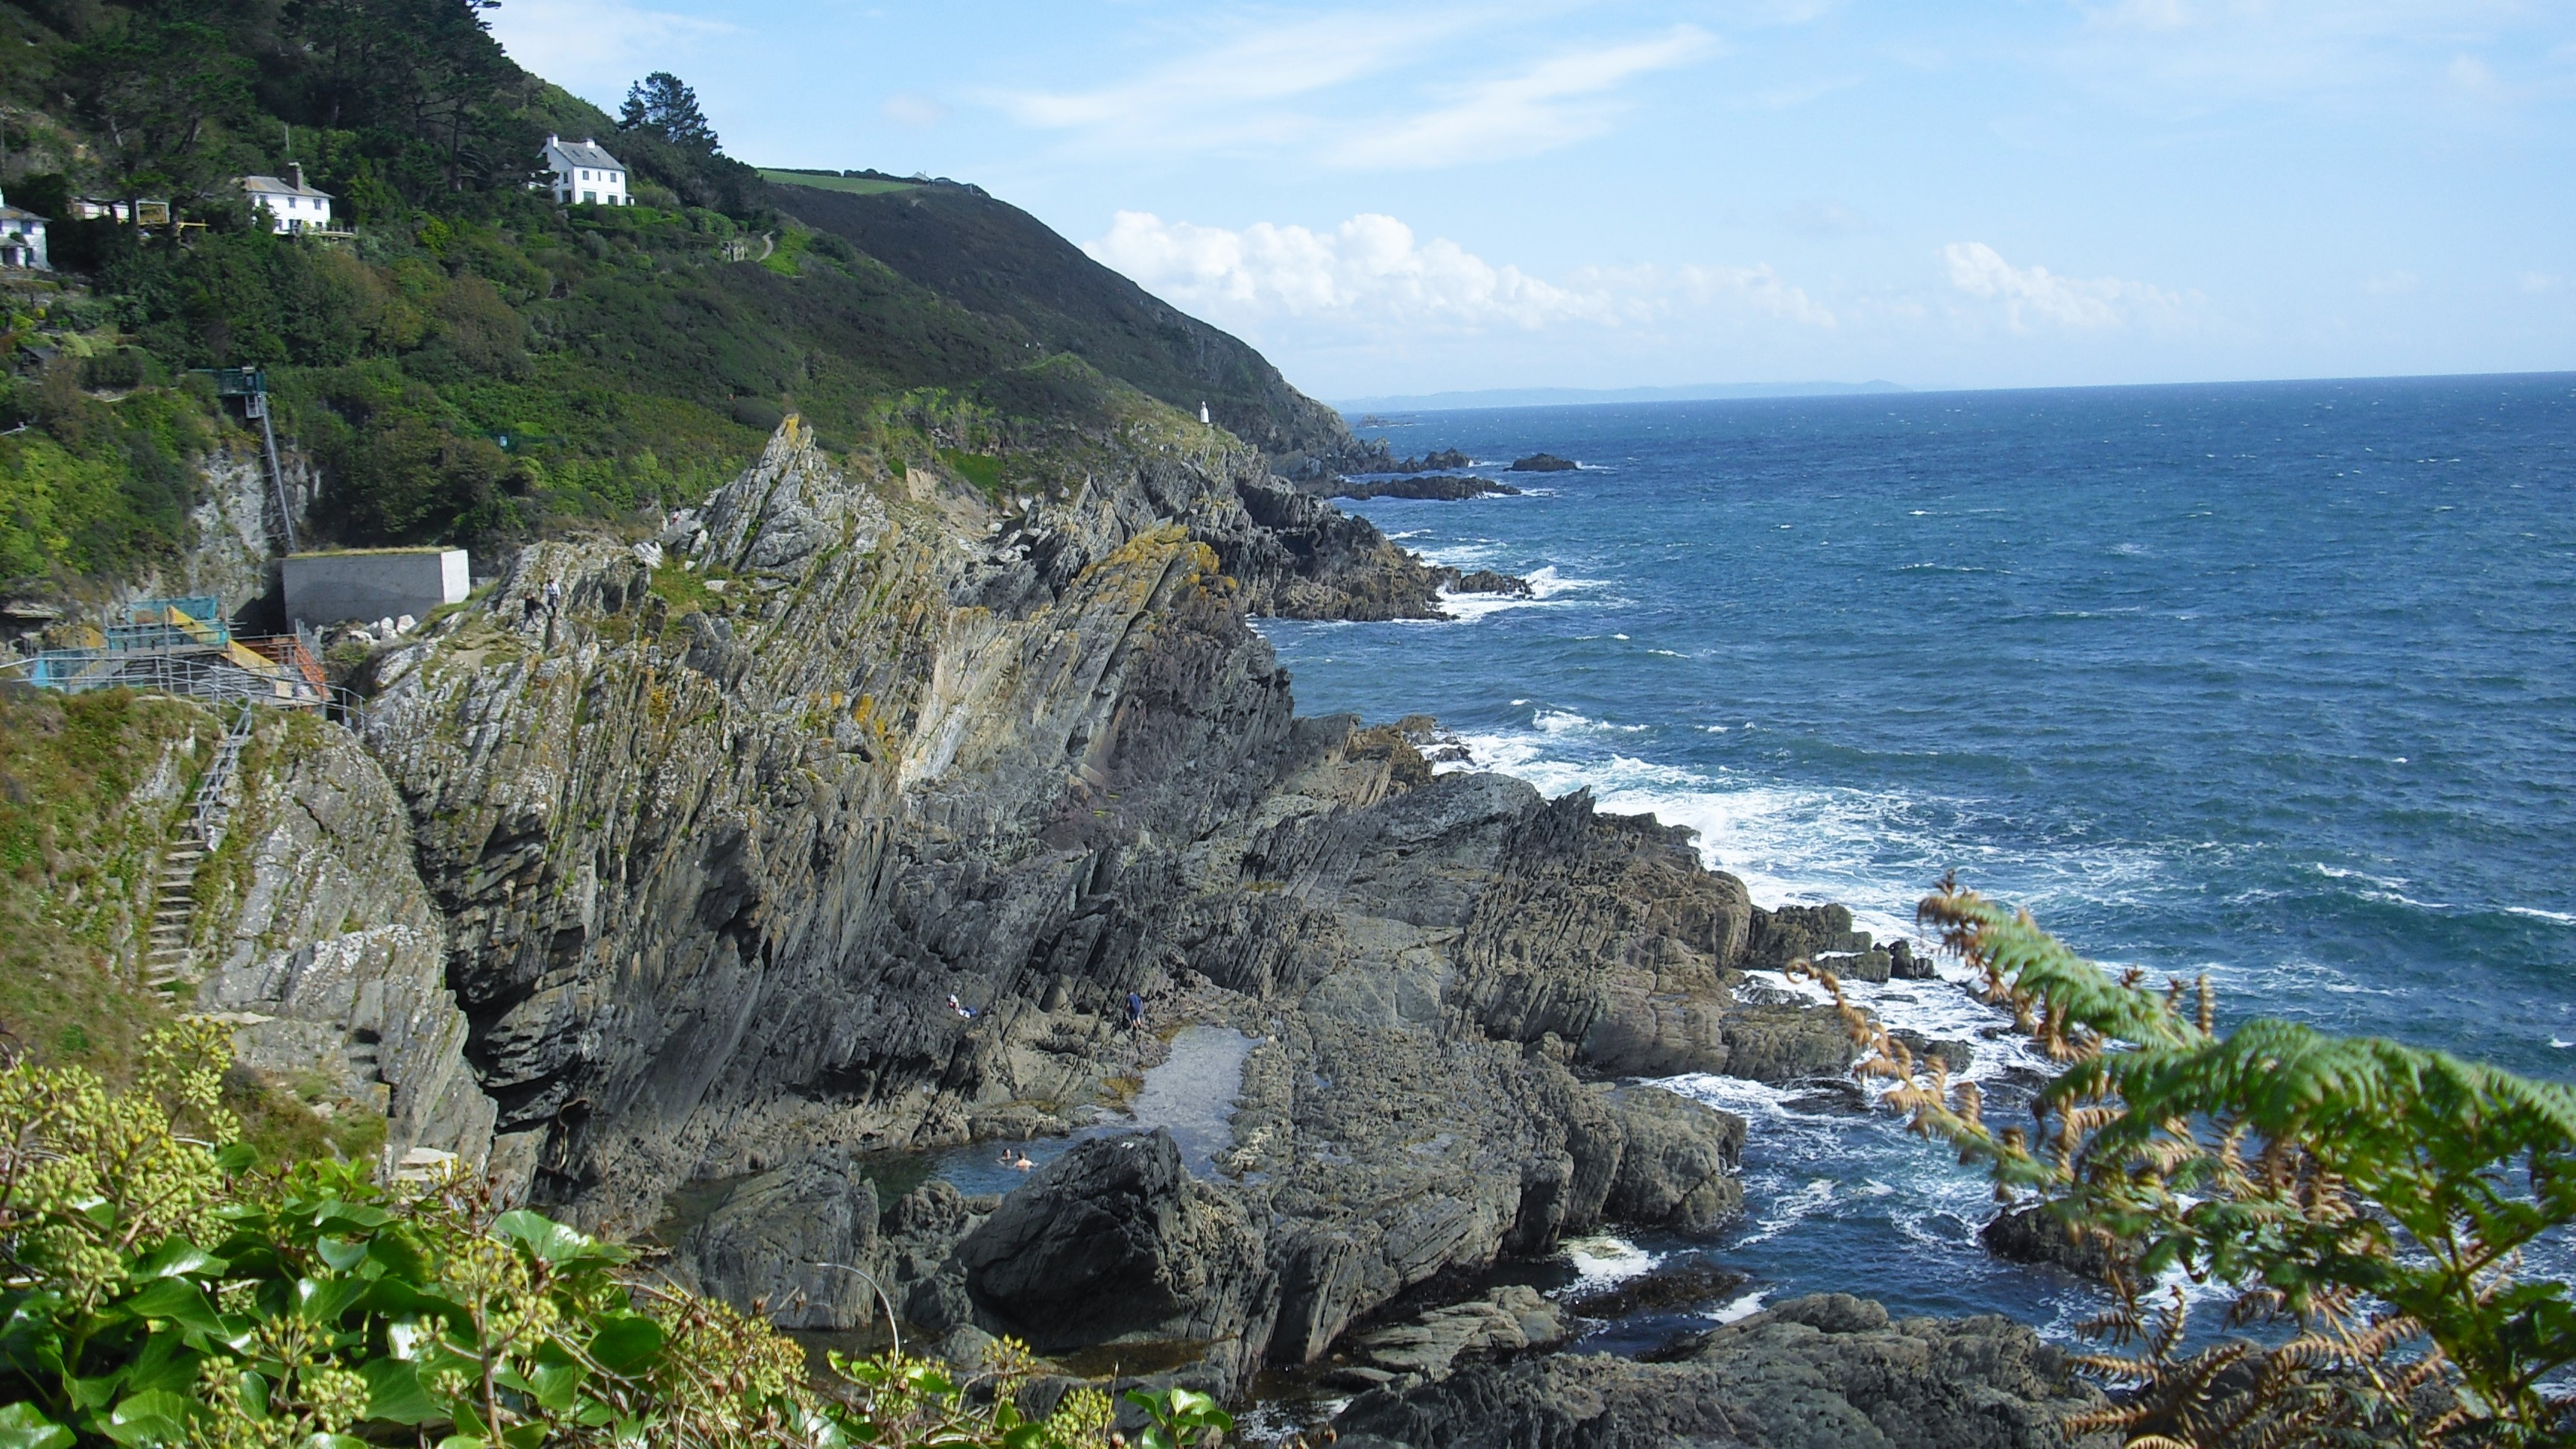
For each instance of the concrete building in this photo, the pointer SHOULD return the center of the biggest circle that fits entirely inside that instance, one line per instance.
(292, 205)
(373, 583)
(585, 175)
(22, 237)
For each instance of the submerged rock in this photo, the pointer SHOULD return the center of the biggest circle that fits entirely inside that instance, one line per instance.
(1445, 487)
(1544, 463)
(2038, 1236)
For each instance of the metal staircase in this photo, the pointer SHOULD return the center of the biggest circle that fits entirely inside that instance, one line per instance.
(170, 958)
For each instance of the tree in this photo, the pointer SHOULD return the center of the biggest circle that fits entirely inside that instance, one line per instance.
(660, 105)
(156, 93)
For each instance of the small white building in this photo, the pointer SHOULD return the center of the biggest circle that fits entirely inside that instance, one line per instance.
(22, 238)
(585, 175)
(292, 205)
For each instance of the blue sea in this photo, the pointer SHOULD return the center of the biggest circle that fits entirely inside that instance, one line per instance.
(2275, 682)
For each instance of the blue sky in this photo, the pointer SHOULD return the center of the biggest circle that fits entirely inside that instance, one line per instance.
(1404, 199)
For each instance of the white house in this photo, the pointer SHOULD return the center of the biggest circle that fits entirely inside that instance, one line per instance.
(586, 174)
(292, 205)
(22, 237)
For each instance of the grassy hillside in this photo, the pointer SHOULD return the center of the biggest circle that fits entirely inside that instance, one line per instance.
(999, 260)
(832, 181)
(478, 364)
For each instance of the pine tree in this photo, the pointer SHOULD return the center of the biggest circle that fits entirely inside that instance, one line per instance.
(662, 105)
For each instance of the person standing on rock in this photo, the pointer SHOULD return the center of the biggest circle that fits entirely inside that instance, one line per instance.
(1135, 1011)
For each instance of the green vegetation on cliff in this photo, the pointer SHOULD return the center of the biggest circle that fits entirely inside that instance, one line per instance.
(477, 363)
(160, 1287)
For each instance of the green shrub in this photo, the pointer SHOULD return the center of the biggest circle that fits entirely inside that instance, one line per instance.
(161, 1289)
(2369, 1201)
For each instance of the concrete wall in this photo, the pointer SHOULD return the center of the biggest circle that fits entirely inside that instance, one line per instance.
(326, 588)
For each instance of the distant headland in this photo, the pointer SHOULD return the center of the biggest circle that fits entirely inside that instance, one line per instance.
(1541, 397)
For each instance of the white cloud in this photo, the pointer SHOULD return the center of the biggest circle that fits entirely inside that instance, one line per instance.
(1267, 89)
(2472, 75)
(1554, 103)
(1220, 94)
(1369, 264)
(1372, 274)
(2542, 281)
(2037, 295)
(913, 110)
(2392, 284)
(595, 43)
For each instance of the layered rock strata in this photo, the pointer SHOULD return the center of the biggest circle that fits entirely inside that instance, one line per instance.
(322, 949)
(843, 820)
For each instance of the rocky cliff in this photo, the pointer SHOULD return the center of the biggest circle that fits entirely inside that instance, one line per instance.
(716, 827)
(315, 940)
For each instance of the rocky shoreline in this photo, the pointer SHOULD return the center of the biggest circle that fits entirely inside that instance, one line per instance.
(745, 866)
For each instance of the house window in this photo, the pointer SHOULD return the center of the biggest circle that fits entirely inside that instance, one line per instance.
(589, 197)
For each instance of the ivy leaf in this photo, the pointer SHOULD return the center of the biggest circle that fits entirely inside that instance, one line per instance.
(555, 1385)
(179, 1300)
(336, 1216)
(24, 1426)
(395, 1393)
(625, 1342)
(541, 1235)
(152, 1417)
(167, 1362)
(329, 1300)
(341, 1253)
(177, 1258)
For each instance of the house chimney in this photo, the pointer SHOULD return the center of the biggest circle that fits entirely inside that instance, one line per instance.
(295, 173)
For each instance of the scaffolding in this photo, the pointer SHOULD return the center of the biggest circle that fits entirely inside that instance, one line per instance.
(183, 646)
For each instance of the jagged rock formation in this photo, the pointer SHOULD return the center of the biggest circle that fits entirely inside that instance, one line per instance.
(1825, 1370)
(1116, 1239)
(321, 947)
(716, 838)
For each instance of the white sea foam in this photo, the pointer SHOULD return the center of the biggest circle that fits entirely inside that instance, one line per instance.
(1740, 1309)
(1602, 1261)
(1788, 1210)
(1547, 586)
(2384, 882)
(1566, 722)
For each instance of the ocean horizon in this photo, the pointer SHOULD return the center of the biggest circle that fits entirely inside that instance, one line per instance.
(2274, 681)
